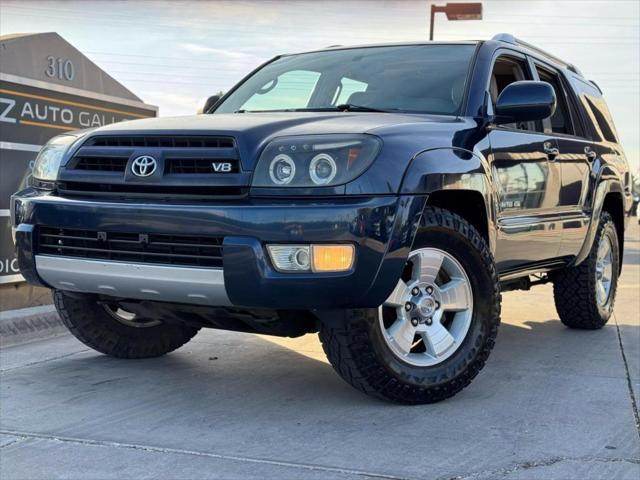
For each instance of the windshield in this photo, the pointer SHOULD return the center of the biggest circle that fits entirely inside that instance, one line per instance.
(421, 79)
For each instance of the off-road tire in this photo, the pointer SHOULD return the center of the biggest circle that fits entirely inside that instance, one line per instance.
(574, 288)
(90, 323)
(355, 347)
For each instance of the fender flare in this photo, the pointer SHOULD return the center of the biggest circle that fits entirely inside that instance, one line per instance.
(605, 186)
(452, 169)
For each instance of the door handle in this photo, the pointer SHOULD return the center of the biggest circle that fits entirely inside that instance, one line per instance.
(551, 151)
(590, 153)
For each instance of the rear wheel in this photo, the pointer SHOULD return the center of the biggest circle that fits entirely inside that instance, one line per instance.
(585, 294)
(435, 331)
(109, 329)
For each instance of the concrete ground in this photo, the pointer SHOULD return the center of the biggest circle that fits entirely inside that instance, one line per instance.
(550, 403)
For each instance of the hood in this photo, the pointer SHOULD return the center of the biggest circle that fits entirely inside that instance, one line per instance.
(253, 131)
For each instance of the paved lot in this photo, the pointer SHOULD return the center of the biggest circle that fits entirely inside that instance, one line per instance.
(551, 403)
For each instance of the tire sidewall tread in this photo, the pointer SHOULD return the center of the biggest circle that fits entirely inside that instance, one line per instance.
(87, 320)
(356, 348)
(574, 288)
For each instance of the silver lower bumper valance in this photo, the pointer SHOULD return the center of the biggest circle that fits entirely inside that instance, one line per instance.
(203, 286)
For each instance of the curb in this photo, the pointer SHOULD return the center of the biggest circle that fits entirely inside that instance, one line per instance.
(27, 324)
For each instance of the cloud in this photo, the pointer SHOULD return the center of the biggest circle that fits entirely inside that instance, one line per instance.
(173, 103)
(203, 49)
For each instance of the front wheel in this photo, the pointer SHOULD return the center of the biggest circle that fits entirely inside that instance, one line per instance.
(435, 331)
(107, 328)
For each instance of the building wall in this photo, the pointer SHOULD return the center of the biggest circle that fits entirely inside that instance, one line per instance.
(39, 98)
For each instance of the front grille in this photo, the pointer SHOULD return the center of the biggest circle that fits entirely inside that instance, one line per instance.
(164, 249)
(168, 141)
(189, 166)
(101, 164)
(198, 165)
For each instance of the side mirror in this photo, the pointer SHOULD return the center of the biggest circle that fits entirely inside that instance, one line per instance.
(208, 103)
(525, 101)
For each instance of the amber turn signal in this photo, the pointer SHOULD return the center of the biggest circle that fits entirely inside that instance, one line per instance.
(332, 258)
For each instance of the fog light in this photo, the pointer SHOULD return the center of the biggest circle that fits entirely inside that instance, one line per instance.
(332, 258)
(316, 258)
(290, 258)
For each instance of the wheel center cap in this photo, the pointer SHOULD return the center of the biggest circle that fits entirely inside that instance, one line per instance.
(427, 306)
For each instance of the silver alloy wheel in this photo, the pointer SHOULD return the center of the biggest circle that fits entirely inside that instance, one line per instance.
(127, 318)
(426, 318)
(604, 270)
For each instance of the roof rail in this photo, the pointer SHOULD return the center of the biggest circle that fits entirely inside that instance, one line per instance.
(508, 38)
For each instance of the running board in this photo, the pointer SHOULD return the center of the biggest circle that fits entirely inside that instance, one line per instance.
(533, 269)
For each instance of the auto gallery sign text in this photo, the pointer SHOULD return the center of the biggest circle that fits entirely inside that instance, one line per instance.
(38, 111)
(57, 111)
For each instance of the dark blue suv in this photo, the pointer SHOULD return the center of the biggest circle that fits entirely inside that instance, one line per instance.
(382, 196)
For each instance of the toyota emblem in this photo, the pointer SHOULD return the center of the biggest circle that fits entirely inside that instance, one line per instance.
(144, 166)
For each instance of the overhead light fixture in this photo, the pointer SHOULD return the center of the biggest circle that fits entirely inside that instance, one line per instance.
(456, 11)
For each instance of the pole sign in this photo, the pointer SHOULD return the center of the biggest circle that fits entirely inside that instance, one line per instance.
(33, 110)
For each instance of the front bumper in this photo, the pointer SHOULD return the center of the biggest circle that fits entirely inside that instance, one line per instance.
(381, 228)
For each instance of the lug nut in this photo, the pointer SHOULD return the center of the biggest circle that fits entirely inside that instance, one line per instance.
(415, 291)
(408, 306)
(429, 290)
(414, 321)
(428, 321)
(437, 304)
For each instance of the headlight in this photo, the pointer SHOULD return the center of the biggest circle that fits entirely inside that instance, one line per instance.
(282, 169)
(315, 160)
(322, 169)
(48, 160)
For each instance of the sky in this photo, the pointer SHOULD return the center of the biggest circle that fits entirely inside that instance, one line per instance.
(174, 54)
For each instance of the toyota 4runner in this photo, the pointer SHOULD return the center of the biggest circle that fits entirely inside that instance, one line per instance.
(382, 196)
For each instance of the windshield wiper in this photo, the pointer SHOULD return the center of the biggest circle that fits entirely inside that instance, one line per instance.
(242, 110)
(343, 107)
(350, 107)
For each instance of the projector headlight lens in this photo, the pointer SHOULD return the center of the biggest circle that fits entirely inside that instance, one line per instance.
(322, 169)
(48, 161)
(315, 160)
(282, 169)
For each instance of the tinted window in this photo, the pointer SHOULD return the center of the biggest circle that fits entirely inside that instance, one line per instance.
(602, 117)
(596, 110)
(561, 118)
(422, 78)
(507, 70)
